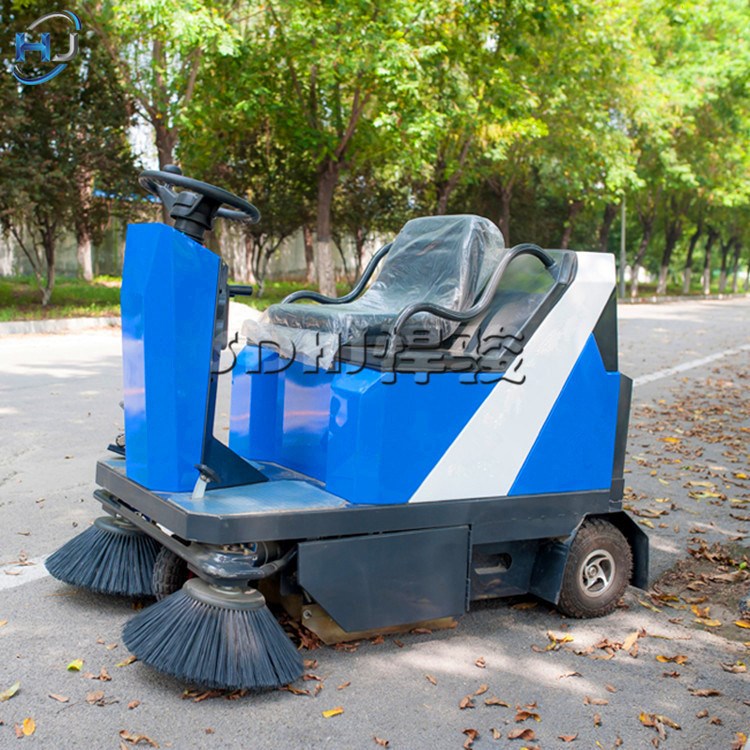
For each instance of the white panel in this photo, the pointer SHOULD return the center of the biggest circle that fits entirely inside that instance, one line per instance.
(486, 456)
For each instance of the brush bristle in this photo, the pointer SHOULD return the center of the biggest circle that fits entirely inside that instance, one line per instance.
(211, 646)
(107, 561)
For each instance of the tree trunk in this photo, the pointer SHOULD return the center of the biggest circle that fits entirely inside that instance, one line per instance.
(250, 260)
(672, 235)
(504, 191)
(687, 271)
(308, 238)
(442, 199)
(328, 176)
(166, 140)
(359, 247)
(85, 261)
(712, 237)
(610, 212)
(574, 208)
(647, 223)
(49, 256)
(724, 258)
(736, 265)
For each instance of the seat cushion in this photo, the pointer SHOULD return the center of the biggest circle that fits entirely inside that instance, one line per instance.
(443, 260)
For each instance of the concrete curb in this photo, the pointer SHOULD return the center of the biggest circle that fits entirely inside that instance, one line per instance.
(56, 325)
(654, 300)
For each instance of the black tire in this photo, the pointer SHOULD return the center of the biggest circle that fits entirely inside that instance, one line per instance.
(598, 571)
(170, 573)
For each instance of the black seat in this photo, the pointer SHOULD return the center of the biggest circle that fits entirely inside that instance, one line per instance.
(442, 260)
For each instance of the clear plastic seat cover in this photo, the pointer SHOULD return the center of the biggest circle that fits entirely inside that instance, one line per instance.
(442, 260)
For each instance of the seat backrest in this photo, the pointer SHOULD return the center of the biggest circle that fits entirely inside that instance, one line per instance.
(444, 260)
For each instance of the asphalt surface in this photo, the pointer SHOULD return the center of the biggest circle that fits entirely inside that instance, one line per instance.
(59, 399)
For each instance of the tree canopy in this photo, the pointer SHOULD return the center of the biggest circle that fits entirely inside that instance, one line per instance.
(345, 119)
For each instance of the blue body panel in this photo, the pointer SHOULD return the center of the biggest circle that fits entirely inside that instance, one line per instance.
(168, 303)
(369, 440)
(575, 448)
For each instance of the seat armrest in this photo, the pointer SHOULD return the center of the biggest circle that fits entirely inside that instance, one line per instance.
(358, 288)
(485, 298)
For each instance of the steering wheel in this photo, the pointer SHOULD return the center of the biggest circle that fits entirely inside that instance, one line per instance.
(198, 204)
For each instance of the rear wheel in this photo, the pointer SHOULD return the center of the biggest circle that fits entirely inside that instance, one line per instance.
(170, 573)
(598, 571)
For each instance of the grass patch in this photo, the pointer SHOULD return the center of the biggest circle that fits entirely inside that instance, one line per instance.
(71, 298)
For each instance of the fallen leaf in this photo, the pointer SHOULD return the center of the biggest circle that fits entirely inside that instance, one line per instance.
(736, 668)
(380, 741)
(19, 731)
(524, 605)
(104, 675)
(75, 666)
(567, 737)
(466, 702)
(333, 712)
(471, 736)
(3, 623)
(136, 739)
(742, 624)
(595, 701)
(715, 720)
(398, 643)
(344, 685)
(480, 662)
(702, 714)
(521, 734)
(29, 727)
(703, 692)
(569, 674)
(10, 692)
(133, 704)
(610, 688)
(291, 689)
(59, 698)
(556, 641)
(495, 702)
(97, 697)
(670, 674)
(377, 640)
(431, 679)
(496, 734)
(421, 631)
(522, 715)
(647, 605)
(709, 623)
(129, 660)
(481, 690)
(629, 642)
(309, 677)
(597, 720)
(677, 659)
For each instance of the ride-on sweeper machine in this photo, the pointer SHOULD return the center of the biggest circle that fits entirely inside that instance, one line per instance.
(452, 430)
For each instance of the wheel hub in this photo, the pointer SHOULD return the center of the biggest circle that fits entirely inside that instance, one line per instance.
(598, 572)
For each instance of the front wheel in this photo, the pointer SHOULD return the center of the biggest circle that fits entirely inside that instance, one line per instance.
(598, 571)
(170, 573)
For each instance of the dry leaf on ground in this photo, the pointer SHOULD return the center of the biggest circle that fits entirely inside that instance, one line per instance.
(333, 712)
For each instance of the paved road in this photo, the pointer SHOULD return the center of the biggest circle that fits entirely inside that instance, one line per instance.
(59, 406)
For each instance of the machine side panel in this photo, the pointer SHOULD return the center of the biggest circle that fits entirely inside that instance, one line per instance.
(488, 453)
(376, 581)
(168, 304)
(575, 447)
(385, 437)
